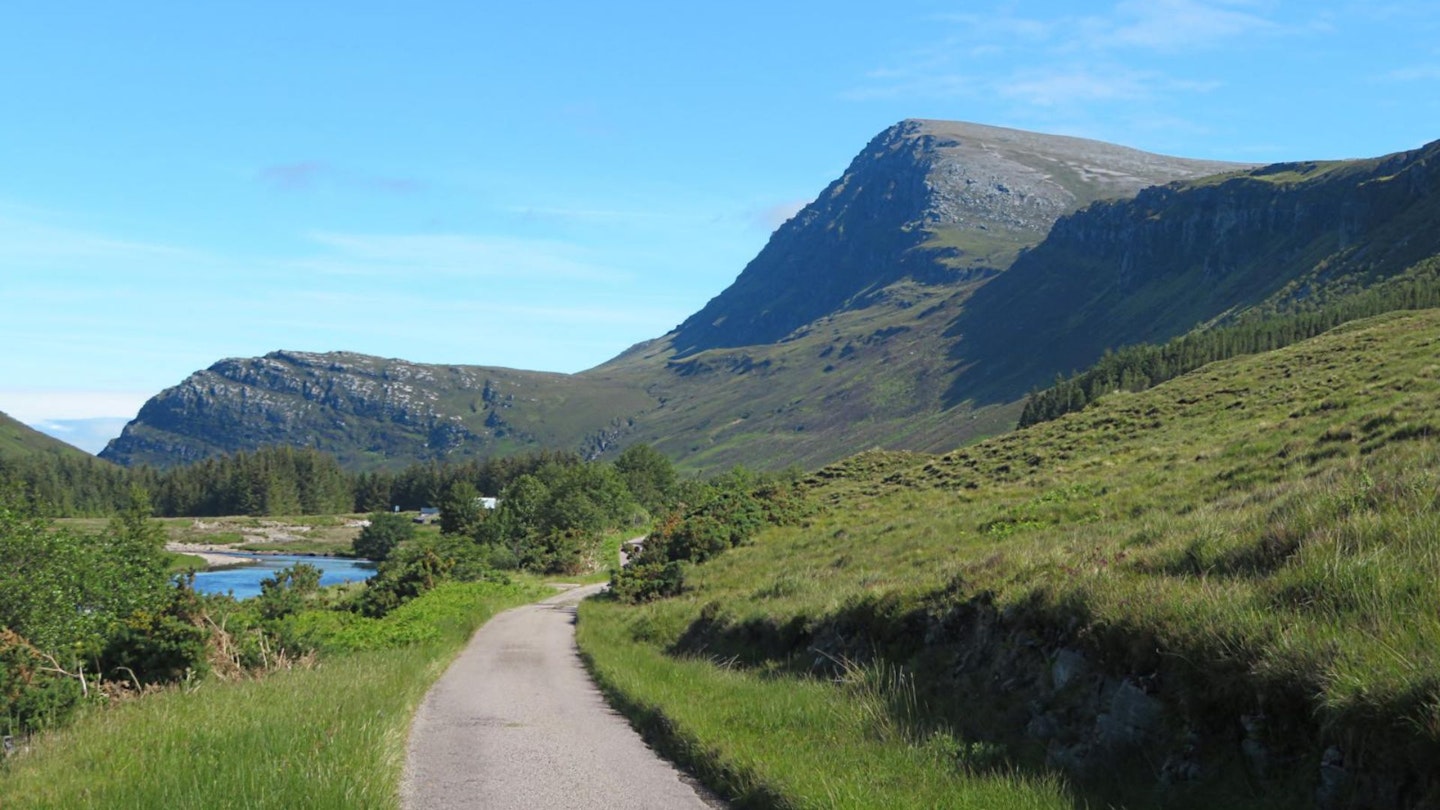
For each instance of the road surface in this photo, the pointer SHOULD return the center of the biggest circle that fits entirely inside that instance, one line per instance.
(516, 723)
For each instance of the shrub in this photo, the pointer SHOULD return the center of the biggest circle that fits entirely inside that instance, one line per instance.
(386, 531)
(287, 591)
(419, 565)
(33, 694)
(167, 645)
(646, 582)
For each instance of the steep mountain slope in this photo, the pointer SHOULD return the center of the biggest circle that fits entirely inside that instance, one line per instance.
(952, 268)
(935, 202)
(1276, 238)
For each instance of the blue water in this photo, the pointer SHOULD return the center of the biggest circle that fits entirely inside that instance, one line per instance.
(245, 582)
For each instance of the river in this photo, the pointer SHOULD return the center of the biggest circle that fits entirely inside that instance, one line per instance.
(244, 582)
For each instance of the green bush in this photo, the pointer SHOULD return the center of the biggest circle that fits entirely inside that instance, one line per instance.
(32, 694)
(558, 552)
(386, 531)
(288, 590)
(647, 582)
(167, 645)
(419, 565)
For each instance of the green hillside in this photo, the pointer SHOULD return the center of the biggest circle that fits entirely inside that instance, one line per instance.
(1282, 238)
(1218, 592)
(18, 440)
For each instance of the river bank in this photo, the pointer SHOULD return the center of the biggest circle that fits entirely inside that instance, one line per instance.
(220, 556)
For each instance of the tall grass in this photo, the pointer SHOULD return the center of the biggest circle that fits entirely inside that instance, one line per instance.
(769, 740)
(1262, 535)
(330, 736)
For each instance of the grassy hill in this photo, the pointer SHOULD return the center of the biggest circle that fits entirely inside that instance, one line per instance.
(1218, 592)
(18, 440)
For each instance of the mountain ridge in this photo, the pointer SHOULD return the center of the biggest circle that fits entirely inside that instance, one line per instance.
(944, 291)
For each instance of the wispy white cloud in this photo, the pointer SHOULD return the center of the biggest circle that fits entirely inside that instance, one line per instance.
(32, 244)
(37, 405)
(1169, 25)
(1051, 87)
(310, 175)
(895, 83)
(773, 216)
(90, 435)
(1072, 57)
(593, 215)
(422, 256)
(1003, 26)
(445, 312)
(1415, 73)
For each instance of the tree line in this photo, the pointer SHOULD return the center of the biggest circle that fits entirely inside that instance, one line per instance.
(277, 480)
(1141, 366)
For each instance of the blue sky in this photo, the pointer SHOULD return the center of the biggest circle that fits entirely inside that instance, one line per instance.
(540, 185)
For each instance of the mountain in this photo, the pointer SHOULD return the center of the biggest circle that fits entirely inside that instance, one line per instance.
(949, 270)
(371, 412)
(826, 341)
(933, 202)
(1277, 238)
(18, 440)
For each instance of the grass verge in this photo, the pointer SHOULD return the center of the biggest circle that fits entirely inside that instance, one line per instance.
(776, 741)
(329, 736)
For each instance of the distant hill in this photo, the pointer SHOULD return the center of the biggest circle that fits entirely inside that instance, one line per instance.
(372, 412)
(18, 440)
(949, 270)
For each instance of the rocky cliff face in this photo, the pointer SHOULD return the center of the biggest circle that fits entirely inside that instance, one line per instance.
(936, 202)
(331, 401)
(367, 411)
(1186, 254)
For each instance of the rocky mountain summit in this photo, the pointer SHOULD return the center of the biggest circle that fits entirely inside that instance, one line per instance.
(940, 202)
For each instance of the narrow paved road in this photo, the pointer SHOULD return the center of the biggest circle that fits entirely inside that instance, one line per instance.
(516, 723)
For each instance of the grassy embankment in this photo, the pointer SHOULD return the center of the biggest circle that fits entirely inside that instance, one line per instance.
(327, 736)
(1257, 539)
(763, 741)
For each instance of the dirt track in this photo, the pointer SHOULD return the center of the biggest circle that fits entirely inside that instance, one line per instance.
(516, 723)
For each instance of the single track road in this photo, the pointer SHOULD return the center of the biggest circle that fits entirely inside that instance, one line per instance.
(516, 722)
